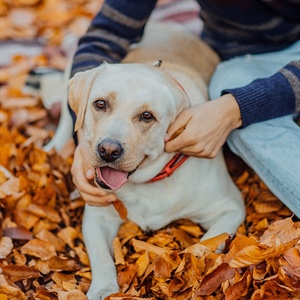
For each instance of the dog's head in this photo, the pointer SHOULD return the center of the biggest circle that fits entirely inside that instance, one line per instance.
(124, 111)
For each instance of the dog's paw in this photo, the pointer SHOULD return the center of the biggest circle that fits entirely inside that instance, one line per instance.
(95, 293)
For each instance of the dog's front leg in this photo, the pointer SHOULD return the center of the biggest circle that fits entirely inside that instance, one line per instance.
(100, 227)
(227, 221)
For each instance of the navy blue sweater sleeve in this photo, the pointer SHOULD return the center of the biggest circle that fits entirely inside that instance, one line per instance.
(269, 98)
(118, 24)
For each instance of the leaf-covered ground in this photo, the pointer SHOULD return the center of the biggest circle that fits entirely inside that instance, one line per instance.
(42, 253)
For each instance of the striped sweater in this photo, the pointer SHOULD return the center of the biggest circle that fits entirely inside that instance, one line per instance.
(232, 28)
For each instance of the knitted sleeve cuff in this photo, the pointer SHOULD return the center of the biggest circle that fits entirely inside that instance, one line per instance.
(264, 99)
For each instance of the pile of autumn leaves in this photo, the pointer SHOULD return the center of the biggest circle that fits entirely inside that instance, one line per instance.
(42, 253)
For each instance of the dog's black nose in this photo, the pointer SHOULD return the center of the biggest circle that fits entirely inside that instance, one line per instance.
(110, 150)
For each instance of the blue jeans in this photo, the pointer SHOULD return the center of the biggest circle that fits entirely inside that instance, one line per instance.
(270, 148)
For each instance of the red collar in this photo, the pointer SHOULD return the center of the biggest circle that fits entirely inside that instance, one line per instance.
(170, 167)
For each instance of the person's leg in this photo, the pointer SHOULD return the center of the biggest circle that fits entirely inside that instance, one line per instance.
(271, 148)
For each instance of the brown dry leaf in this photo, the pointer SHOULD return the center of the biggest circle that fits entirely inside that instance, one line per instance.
(262, 224)
(237, 245)
(20, 259)
(151, 249)
(39, 248)
(16, 273)
(162, 269)
(86, 274)
(183, 238)
(292, 257)
(177, 133)
(190, 273)
(71, 295)
(290, 276)
(14, 103)
(118, 253)
(284, 230)
(273, 291)
(43, 294)
(11, 187)
(18, 233)
(25, 219)
(121, 209)
(239, 288)
(192, 229)
(251, 255)
(59, 278)
(214, 279)
(69, 235)
(47, 236)
(6, 246)
(126, 275)
(197, 250)
(161, 239)
(57, 264)
(267, 206)
(82, 254)
(44, 212)
(260, 271)
(142, 264)
(216, 242)
(12, 293)
(127, 231)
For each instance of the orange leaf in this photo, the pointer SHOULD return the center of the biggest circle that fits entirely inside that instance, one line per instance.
(239, 288)
(162, 268)
(38, 248)
(284, 230)
(20, 272)
(18, 233)
(6, 246)
(71, 295)
(214, 279)
(126, 275)
(54, 240)
(118, 253)
(142, 264)
(57, 264)
(121, 209)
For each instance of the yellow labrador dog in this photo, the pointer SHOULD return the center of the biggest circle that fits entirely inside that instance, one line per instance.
(124, 111)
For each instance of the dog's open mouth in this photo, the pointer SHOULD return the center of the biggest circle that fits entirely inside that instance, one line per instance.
(109, 178)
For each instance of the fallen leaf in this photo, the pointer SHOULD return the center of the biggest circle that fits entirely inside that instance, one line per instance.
(121, 209)
(6, 246)
(39, 248)
(214, 279)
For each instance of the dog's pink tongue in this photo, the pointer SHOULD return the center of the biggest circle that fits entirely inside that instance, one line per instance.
(111, 177)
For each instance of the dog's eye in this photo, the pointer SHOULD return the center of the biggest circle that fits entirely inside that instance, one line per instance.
(146, 116)
(100, 104)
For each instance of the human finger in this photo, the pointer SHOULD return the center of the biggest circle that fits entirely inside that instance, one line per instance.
(178, 126)
(98, 201)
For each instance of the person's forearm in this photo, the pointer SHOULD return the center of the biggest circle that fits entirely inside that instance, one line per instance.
(118, 24)
(269, 98)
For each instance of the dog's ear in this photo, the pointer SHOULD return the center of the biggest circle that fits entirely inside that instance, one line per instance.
(79, 90)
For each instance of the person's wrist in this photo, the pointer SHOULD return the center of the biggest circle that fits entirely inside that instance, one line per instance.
(233, 111)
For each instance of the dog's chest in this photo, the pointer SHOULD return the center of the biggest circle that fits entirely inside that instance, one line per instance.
(154, 205)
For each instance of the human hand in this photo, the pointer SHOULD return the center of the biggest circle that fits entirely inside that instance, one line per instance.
(206, 127)
(83, 175)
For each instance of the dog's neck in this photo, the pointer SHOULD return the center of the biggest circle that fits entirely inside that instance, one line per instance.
(170, 167)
